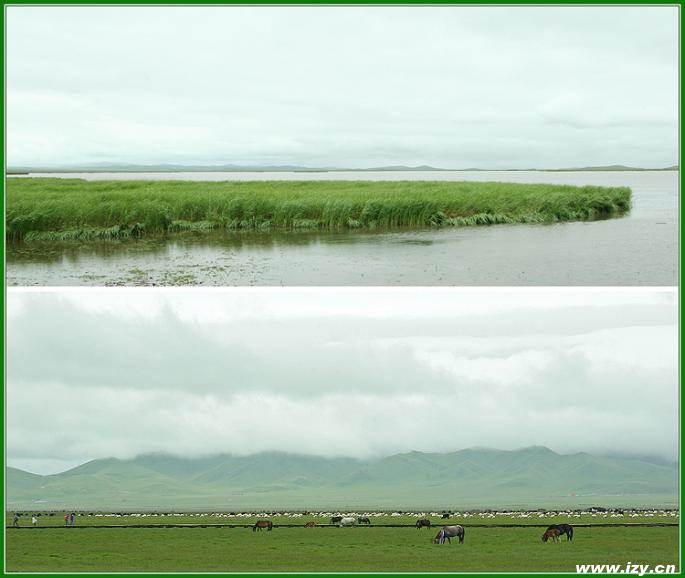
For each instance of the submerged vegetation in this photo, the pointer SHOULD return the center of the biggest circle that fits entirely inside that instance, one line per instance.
(66, 209)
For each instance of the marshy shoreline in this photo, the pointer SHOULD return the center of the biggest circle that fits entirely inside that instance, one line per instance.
(53, 209)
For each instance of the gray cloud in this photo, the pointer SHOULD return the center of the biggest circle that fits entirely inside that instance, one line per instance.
(117, 373)
(347, 86)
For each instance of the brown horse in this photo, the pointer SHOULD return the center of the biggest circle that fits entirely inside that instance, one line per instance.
(423, 523)
(268, 524)
(310, 524)
(551, 533)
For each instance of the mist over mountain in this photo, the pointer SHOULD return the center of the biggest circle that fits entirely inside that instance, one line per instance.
(530, 477)
(104, 167)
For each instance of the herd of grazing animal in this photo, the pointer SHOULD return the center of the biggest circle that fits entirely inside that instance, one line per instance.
(553, 532)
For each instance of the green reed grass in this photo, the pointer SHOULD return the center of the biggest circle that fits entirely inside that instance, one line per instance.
(66, 209)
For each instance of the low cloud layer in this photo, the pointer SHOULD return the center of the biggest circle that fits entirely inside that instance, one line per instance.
(457, 87)
(355, 373)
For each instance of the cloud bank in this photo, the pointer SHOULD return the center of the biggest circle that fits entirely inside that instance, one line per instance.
(357, 373)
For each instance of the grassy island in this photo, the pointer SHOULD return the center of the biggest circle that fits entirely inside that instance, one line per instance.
(63, 209)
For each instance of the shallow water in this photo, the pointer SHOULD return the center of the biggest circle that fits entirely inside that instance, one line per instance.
(638, 249)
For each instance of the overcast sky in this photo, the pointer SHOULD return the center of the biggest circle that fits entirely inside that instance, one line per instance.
(456, 87)
(340, 372)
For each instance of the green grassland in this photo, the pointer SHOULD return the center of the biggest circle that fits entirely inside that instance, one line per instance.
(66, 209)
(330, 549)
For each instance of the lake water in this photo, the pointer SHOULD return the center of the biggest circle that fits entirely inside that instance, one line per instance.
(638, 249)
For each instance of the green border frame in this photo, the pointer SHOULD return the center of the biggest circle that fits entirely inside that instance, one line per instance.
(322, 3)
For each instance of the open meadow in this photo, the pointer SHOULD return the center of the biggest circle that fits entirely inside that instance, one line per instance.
(398, 548)
(45, 209)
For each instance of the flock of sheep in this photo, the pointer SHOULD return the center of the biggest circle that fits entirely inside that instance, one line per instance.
(592, 512)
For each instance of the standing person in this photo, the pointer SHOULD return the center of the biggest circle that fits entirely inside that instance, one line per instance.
(15, 520)
(34, 520)
(66, 520)
(71, 519)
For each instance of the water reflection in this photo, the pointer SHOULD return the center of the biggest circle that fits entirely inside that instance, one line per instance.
(75, 252)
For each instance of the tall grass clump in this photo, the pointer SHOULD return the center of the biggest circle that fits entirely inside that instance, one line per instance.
(64, 209)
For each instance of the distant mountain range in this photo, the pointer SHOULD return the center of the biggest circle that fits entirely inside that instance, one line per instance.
(171, 168)
(613, 168)
(531, 477)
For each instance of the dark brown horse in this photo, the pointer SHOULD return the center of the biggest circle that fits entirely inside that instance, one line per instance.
(363, 521)
(423, 523)
(551, 533)
(310, 524)
(260, 524)
(336, 519)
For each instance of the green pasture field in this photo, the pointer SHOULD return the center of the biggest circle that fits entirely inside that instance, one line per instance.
(155, 518)
(74, 209)
(329, 549)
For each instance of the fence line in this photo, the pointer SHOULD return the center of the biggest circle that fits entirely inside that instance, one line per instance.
(581, 525)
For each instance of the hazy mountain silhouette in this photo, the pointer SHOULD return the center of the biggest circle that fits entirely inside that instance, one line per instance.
(532, 477)
(228, 167)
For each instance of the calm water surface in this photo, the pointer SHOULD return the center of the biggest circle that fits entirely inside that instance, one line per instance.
(638, 249)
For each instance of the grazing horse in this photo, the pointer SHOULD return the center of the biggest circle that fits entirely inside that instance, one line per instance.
(310, 524)
(348, 521)
(445, 516)
(551, 533)
(336, 519)
(423, 522)
(450, 532)
(268, 524)
(563, 529)
(364, 521)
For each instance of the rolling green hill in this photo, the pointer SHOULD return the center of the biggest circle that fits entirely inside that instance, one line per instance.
(530, 477)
